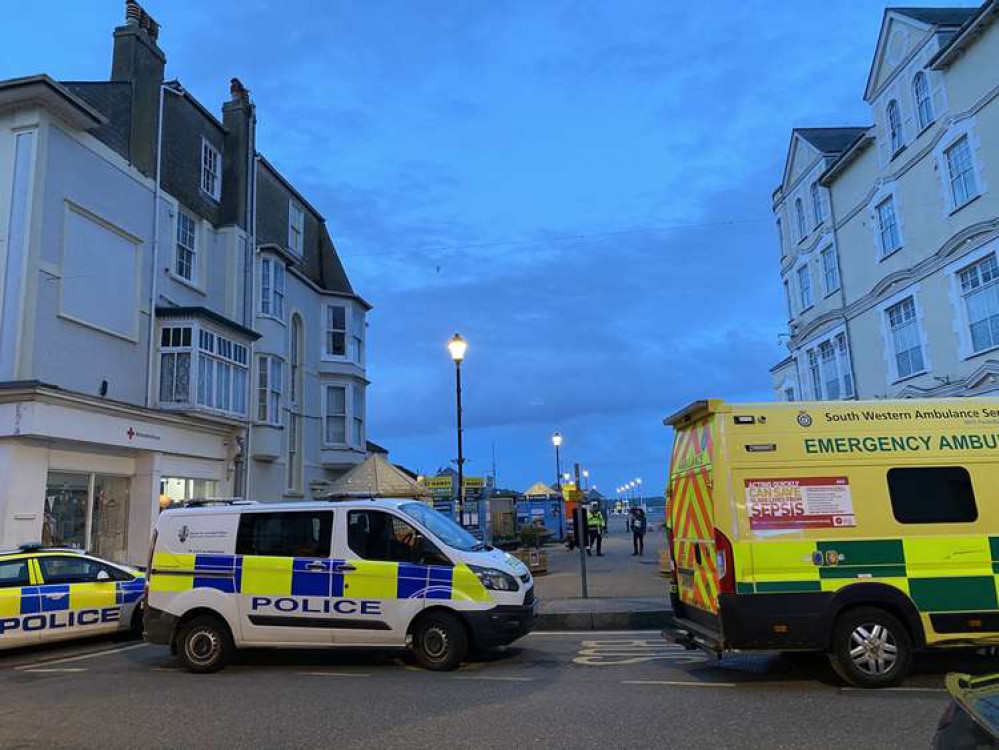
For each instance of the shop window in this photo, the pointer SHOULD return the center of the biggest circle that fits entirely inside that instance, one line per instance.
(87, 511)
(301, 534)
(178, 490)
(66, 500)
(932, 494)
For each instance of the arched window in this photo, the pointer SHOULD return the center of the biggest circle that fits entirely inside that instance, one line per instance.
(924, 105)
(297, 342)
(895, 127)
(799, 210)
(817, 208)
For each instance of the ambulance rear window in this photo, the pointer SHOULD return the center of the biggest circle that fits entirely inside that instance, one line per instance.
(932, 494)
(13, 573)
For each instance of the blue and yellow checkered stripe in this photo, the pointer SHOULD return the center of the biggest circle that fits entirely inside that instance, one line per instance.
(294, 576)
(63, 597)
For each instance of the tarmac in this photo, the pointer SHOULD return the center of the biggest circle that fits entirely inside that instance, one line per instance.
(624, 592)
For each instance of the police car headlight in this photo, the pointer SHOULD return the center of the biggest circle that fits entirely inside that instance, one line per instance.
(495, 580)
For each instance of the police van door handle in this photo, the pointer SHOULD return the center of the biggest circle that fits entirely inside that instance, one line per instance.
(345, 568)
(697, 553)
(319, 566)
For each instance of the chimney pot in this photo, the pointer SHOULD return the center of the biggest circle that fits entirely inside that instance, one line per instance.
(132, 12)
(237, 91)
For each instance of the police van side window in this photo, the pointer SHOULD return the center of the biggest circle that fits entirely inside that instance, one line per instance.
(306, 534)
(932, 494)
(376, 535)
(13, 573)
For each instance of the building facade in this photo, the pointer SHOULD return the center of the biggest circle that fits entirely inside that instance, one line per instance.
(889, 233)
(174, 319)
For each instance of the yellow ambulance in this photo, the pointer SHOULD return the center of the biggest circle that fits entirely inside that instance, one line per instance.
(867, 530)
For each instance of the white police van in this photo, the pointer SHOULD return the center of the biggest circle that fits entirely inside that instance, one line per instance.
(52, 594)
(361, 573)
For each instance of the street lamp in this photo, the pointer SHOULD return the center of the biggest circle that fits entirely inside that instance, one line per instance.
(557, 442)
(457, 347)
(638, 488)
(586, 477)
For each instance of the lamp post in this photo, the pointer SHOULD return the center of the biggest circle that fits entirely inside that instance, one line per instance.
(586, 478)
(457, 347)
(638, 489)
(557, 442)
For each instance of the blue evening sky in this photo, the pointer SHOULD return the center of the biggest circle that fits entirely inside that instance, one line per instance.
(581, 188)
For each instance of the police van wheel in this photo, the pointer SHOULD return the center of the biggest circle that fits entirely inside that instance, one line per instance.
(440, 642)
(871, 648)
(205, 645)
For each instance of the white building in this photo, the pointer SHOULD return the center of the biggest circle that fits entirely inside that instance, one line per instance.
(210, 347)
(889, 233)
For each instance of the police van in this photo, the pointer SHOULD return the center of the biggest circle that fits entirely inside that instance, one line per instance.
(49, 594)
(867, 530)
(355, 573)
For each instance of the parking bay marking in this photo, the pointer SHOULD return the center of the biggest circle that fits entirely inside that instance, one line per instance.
(609, 653)
(679, 683)
(79, 657)
(54, 670)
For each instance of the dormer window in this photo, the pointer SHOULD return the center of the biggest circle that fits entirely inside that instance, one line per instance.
(296, 227)
(211, 170)
(895, 127)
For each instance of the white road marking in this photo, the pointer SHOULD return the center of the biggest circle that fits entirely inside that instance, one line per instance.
(584, 633)
(894, 690)
(622, 652)
(39, 670)
(91, 655)
(335, 674)
(678, 683)
(497, 679)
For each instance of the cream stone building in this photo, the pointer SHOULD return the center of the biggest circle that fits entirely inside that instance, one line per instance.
(889, 233)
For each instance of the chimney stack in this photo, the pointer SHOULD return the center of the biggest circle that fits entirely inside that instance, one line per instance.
(139, 61)
(239, 118)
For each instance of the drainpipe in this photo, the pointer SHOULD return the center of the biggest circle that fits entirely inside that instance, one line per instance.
(249, 297)
(173, 87)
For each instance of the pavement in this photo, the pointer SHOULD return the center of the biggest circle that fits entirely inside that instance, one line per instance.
(625, 592)
(552, 690)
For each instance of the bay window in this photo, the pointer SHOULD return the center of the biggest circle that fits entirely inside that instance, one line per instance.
(175, 365)
(336, 331)
(272, 288)
(830, 371)
(202, 368)
(335, 418)
(357, 418)
(269, 377)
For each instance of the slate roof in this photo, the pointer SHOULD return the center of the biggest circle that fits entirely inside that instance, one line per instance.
(831, 140)
(938, 16)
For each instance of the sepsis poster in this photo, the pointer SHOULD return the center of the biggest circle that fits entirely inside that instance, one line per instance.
(799, 503)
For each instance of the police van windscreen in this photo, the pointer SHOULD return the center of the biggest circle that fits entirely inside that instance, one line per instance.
(441, 526)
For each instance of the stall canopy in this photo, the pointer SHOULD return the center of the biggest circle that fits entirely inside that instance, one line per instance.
(376, 477)
(540, 489)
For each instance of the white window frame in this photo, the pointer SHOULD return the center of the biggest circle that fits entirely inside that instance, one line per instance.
(887, 337)
(816, 368)
(330, 331)
(357, 415)
(181, 246)
(355, 341)
(804, 273)
(268, 389)
(174, 349)
(895, 225)
(830, 273)
(893, 118)
(922, 95)
(964, 129)
(967, 177)
(211, 170)
(222, 373)
(800, 220)
(961, 320)
(294, 464)
(818, 205)
(345, 415)
(296, 227)
(272, 296)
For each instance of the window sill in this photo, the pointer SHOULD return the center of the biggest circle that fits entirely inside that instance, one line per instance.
(294, 493)
(275, 318)
(803, 310)
(925, 128)
(274, 425)
(964, 205)
(186, 282)
(886, 256)
(980, 352)
(213, 198)
(831, 292)
(912, 376)
(898, 152)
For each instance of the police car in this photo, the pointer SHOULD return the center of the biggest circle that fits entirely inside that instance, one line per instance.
(49, 594)
(356, 573)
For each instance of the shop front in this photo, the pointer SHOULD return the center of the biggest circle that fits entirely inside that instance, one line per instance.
(88, 474)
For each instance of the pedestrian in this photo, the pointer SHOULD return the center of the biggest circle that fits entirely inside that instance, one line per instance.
(594, 526)
(639, 525)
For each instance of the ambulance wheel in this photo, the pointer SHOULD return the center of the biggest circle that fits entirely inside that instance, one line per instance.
(205, 644)
(440, 642)
(870, 648)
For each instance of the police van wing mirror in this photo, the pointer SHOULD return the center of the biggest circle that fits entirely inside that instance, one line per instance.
(102, 575)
